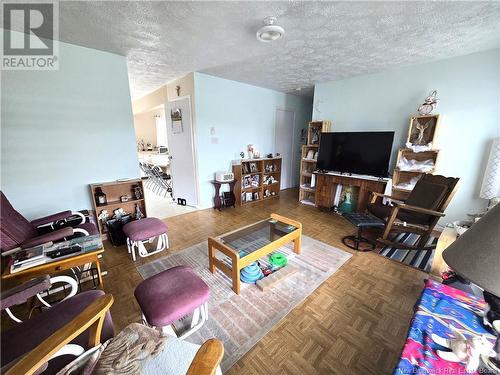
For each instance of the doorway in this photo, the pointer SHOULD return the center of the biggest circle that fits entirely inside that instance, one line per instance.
(153, 147)
(284, 144)
(182, 149)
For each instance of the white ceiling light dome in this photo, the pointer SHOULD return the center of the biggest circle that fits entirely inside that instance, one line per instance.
(270, 31)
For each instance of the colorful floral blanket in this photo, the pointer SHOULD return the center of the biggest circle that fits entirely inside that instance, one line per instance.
(440, 307)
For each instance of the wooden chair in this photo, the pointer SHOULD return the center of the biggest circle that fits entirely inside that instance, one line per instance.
(419, 213)
(205, 362)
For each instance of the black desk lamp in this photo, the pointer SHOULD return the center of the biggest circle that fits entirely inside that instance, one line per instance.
(475, 255)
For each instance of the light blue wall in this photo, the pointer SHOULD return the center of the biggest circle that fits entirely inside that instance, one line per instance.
(469, 92)
(62, 130)
(241, 114)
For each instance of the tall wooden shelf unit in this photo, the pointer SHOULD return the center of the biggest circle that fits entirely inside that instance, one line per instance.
(262, 172)
(307, 193)
(114, 190)
(430, 136)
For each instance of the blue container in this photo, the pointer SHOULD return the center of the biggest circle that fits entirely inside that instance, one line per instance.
(251, 273)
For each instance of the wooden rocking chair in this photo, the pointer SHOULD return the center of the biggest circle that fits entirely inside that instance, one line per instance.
(418, 214)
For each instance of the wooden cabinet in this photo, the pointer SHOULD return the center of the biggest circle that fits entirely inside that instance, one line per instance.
(325, 190)
(326, 187)
(114, 191)
(257, 178)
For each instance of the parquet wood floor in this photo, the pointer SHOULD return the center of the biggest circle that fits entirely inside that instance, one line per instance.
(354, 323)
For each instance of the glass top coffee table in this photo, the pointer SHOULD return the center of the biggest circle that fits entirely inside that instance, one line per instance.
(246, 245)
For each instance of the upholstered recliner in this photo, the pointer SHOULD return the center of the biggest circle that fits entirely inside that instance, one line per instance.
(17, 231)
(136, 349)
(27, 335)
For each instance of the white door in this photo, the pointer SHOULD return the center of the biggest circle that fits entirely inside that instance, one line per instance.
(181, 146)
(283, 143)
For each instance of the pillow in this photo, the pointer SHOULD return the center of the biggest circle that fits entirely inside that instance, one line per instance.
(127, 352)
(124, 354)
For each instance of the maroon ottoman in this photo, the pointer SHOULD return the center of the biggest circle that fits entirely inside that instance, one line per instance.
(140, 232)
(174, 295)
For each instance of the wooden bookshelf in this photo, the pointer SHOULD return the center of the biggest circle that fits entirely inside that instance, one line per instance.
(307, 193)
(259, 171)
(114, 190)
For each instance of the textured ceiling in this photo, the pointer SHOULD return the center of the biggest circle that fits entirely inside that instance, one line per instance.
(323, 41)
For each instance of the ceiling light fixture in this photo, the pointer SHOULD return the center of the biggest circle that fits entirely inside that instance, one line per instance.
(270, 32)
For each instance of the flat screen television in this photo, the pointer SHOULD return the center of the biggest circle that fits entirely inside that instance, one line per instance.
(365, 153)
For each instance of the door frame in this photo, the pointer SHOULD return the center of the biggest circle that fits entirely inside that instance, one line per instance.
(194, 147)
(286, 109)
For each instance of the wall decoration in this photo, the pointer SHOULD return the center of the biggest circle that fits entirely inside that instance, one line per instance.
(176, 118)
(422, 130)
(429, 104)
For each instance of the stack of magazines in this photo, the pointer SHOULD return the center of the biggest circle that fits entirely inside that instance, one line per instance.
(41, 254)
(28, 258)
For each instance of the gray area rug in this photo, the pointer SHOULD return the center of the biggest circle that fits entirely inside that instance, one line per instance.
(240, 321)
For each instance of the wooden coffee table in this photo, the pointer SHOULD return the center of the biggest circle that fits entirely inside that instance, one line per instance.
(246, 245)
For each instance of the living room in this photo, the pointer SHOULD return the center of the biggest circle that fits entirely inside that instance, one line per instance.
(254, 234)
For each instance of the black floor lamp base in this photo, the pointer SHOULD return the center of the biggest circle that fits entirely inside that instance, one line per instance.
(353, 242)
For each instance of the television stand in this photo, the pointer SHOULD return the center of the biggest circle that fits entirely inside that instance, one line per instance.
(327, 182)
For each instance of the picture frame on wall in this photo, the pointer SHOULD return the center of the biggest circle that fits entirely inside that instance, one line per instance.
(176, 118)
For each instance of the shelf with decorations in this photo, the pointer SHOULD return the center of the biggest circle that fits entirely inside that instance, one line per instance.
(309, 156)
(107, 197)
(418, 157)
(259, 179)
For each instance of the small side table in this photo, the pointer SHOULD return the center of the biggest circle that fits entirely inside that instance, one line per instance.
(217, 201)
(361, 220)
